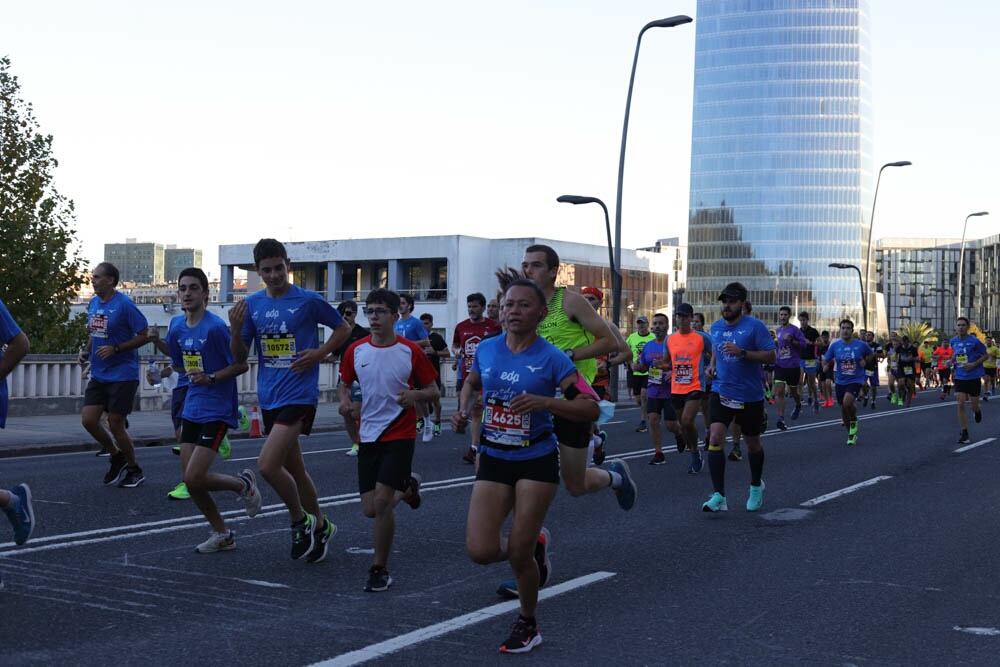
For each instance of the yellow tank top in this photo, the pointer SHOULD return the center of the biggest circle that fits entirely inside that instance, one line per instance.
(566, 334)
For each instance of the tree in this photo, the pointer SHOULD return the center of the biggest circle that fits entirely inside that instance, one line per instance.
(918, 332)
(40, 264)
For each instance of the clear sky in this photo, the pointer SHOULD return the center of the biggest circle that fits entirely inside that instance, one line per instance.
(210, 122)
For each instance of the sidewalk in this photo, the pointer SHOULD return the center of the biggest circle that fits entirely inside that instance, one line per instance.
(52, 434)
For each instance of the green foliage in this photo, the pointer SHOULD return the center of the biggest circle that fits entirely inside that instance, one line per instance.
(40, 264)
(918, 333)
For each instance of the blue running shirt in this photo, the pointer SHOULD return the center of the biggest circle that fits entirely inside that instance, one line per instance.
(736, 379)
(658, 385)
(966, 350)
(537, 370)
(112, 323)
(850, 359)
(205, 347)
(182, 378)
(279, 328)
(8, 331)
(411, 328)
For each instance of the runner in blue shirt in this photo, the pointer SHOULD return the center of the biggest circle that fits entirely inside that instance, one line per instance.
(200, 348)
(15, 503)
(851, 356)
(282, 322)
(117, 331)
(968, 358)
(740, 344)
(519, 374)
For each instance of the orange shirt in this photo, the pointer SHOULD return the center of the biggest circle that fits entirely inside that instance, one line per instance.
(687, 354)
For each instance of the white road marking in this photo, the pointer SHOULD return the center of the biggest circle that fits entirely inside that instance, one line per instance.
(389, 646)
(845, 491)
(986, 632)
(265, 584)
(974, 445)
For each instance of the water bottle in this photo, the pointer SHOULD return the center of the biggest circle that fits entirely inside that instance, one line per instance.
(153, 373)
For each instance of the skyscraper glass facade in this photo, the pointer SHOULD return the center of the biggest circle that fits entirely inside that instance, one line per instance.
(781, 155)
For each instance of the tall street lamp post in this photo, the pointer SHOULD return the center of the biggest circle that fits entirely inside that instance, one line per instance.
(864, 308)
(961, 263)
(871, 220)
(615, 274)
(617, 260)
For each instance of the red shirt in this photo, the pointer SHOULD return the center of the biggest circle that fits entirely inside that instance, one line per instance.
(468, 335)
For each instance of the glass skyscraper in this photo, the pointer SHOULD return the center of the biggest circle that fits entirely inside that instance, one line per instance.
(781, 155)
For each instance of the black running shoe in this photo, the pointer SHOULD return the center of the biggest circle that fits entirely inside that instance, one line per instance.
(963, 438)
(133, 477)
(542, 556)
(320, 540)
(413, 497)
(978, 415)
(117, 470)
(303, 536)
(736, 454)
(470, 456)
(523, 638)
(378, 579)
(641, 428)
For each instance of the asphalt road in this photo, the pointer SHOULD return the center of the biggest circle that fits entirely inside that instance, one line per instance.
(902, 571)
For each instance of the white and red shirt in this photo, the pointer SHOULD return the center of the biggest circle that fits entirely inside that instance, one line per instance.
(468, 336)
(384, 372)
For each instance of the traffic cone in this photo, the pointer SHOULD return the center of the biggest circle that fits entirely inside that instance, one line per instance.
(256, 431)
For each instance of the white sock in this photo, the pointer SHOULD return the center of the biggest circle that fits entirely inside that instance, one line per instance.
(616, 479)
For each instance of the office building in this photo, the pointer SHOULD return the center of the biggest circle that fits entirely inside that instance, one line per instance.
(781, 156)
(138, 263)
(177, 259)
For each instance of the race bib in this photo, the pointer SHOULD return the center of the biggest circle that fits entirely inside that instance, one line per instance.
(655, 375)
(731, 403)
(682, 373)
(99, 326)
(961, 359)
(503, 426)
(810, 364)
(192, 361)
(869, 373)
(848, 367)
(907, 370)
(784, 353)
(278, 349)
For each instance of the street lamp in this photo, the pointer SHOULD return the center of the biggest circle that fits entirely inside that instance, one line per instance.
(616, 286)
(575, 199)
(871, 221)
(961, 262)
(864, 309)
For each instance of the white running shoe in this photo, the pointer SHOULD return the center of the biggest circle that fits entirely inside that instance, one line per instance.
(217, 542)
(428, 430)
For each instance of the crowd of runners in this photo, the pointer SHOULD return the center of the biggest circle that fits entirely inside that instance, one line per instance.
(533, 382)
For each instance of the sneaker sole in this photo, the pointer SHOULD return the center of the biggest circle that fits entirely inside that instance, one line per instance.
(369, 589)
(535, 641)
(228, 547)
(118, 479)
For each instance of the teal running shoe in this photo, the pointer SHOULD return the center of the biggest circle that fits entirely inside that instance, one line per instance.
(717, 503)
(756, 498)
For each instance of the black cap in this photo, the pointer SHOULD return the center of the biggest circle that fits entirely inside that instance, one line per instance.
(642, 318)
(734, 291)
(684, 309)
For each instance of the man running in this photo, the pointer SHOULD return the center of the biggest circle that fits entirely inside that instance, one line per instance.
(468, 334)
(942, 356)
(395, 376)
(809, 362)
(871, 368)
(788, 367)
(823, 379)
(117, 331)
(200, 347)
(574, 327)
(638, 381)
(436, 351)
(907, 357)
(688, 352)
(282, 322)
(740, 345)
(990, 369)
(851, 355)
(970, 353)
(654, 362)
(349, 311)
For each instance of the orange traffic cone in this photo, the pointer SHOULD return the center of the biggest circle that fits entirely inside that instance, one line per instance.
(256, 430)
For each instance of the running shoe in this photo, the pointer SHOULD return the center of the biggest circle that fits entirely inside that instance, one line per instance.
(243, 419)
(102, 452)
(302, 536)
(321, 540)
(250, 495)
(963, 438)
(225, 448)
(864, 401)
(217, 542)
(736, 454)
(942, 397)
(117, 470)
(873, 404)
(781, 425)
(176, 449)
(542, 557)
(641, 428)
(658, 459)
(470, 456)
(852, 439)
(816, 408)
(523, 638)
(378, 579)
(180, 492)
(20, 513)
(413, 497)
(599, 453)
(756, 498)
(628, 491)
(508, 589)
(428, 429)
(437, 429)
(353, 451)
(717, 503)
(978, 414)
(697, 463)
(796, 412)
(133, 478)
(986, 397)
(853, 428)
(679, 441)
(420, 425)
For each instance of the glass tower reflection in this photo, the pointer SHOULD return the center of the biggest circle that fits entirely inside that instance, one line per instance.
(781, 155)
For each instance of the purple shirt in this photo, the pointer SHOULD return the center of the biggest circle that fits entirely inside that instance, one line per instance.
(790, 343)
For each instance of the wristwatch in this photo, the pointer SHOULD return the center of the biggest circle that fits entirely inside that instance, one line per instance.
(211, 377)
(743, 354)
(570, 354)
